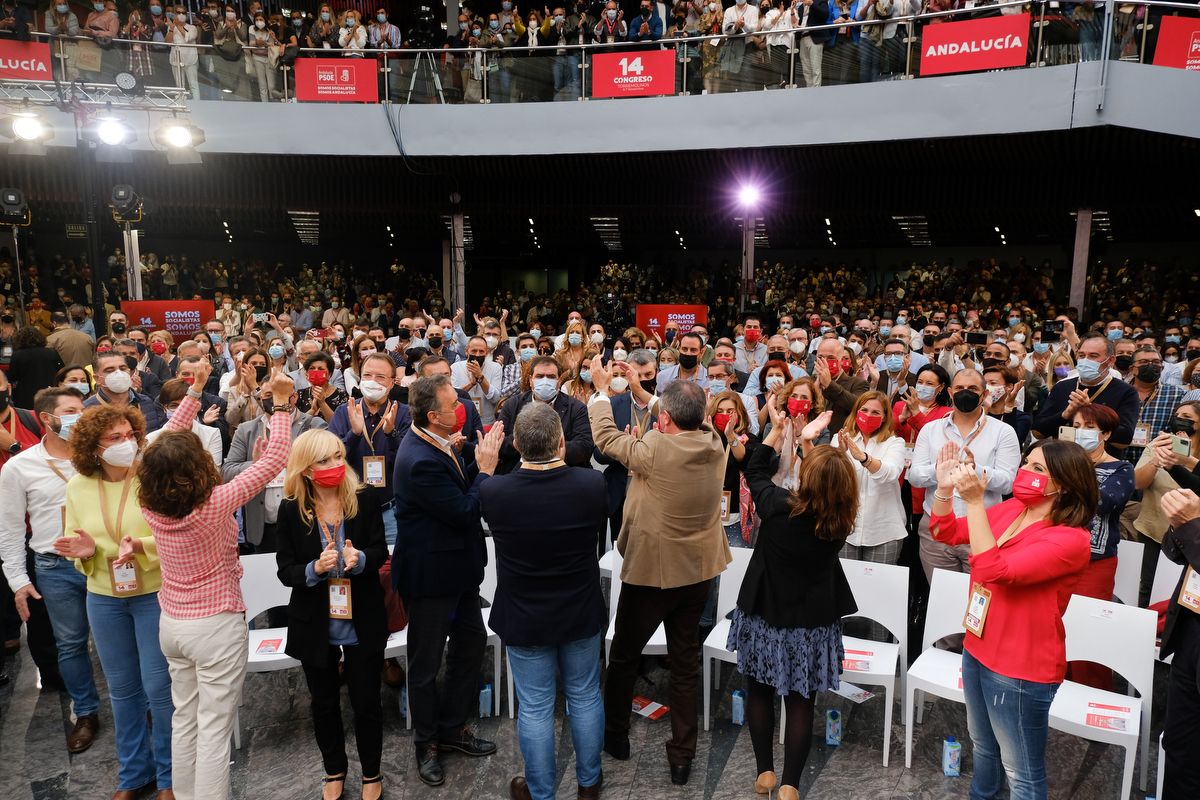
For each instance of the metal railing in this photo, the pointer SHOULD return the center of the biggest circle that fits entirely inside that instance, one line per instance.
(863, 51)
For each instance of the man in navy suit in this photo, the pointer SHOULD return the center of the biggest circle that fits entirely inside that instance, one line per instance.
(472, 429)
(437, 567)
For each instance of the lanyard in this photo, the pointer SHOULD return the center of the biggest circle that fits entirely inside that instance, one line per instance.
(12, 422)
(974, 431)
(56, 471)
(641, 423)
(114, 533)
(332, 536)
(1099, 389)
(1149, 400)
(424, 436)
(542, 466)
(371, 438)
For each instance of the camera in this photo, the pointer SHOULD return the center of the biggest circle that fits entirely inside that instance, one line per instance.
(423, 33)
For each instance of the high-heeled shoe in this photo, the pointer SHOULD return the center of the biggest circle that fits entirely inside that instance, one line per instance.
(765, 783)
(376, 779)
(788, 793)
(333, 779)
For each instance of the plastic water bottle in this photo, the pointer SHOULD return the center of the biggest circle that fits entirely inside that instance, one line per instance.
(739, 707)
(833, 727)
(951, 757)
(485, 701)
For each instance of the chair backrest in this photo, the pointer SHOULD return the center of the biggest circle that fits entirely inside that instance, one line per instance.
(1129, 571)
(881, 593)
(1117, 636)
(731, 580)
(261, 589)
(1166, 576)
(947, 605)
(487, 589)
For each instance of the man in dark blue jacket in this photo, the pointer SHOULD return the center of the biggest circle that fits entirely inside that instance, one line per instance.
(437, 567)
(116, 389)
(572, 415)
(646, 26)
(472, 429)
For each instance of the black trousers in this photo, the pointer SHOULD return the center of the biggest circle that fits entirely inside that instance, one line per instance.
(431, 621)
(1181, 731)
(363, 671)
(39, 634)
(640, 610)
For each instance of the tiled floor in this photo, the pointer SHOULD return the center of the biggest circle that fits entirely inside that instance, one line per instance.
(279, 757)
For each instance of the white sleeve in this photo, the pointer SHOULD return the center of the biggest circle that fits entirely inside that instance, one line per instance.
(12, 528)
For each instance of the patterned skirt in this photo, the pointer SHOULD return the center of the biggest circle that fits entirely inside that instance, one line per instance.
(802, 660)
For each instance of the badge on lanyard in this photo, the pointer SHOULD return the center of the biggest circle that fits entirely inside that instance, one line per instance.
(340, 606)
(1141, 435)
(977, 609)
(124, 578)
(908, 454)
(1189, 594)
(726, 501)
(374, 471)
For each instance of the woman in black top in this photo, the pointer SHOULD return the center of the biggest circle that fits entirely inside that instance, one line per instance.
(787, 628)
(33, 366)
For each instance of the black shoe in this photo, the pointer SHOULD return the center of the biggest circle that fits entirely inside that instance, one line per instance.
(466, 742)
(376, 779)
(680, 773)
(616, 747)
(429, 765)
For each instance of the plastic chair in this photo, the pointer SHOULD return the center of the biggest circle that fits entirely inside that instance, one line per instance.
(262, 591)
(938, 672)
(1121, 638)
(714, 648)
(1162, 769)
(1129, 571)
(606, 563)
(397, 647)
(657, 646)
(487, 590)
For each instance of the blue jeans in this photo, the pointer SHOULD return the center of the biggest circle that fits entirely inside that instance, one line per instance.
(126, 633)
(533, 670)
(1009, 720)
(566, 76)
(64, 589)
(389, 525)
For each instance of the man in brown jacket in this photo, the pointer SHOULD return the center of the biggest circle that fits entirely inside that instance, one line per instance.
(75, 348)
(672, 544)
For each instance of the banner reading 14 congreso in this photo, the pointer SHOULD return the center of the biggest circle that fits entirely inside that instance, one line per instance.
(641, 73)
(974, 45)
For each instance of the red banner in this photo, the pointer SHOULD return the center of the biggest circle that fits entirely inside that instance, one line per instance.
(25, 61)
(180, 318)
(640, 73)
(654, 318)
(337, 80)
(974, 45)
(1178, 43)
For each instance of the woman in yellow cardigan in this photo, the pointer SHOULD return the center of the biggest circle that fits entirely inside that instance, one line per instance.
(112, 544)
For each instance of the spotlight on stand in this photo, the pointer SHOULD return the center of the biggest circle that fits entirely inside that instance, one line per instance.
(13, 208)
(28, 131)
(126, 204)
(179, 139)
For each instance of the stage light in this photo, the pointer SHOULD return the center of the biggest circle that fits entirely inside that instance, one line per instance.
(27, 127)
(28, 131)
(179, 139)
(748, 196)
(13, 208)
(126, 203)
(113, 132)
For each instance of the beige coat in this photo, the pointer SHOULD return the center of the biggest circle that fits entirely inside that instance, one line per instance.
(671, 535)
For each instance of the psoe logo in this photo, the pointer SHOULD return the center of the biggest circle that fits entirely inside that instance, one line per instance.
(1193, 57)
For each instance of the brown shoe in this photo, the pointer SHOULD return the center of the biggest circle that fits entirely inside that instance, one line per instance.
(133, 794)
(591, 792)
(165, 794)
(518, 789)
(765, 783)
(393, 673)
(84, 733)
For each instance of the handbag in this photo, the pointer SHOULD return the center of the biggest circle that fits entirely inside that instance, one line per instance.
(230, 49)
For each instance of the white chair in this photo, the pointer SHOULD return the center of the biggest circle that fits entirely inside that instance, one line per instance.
(714, 648)
(1122, 638)
(487, 590)
(397, 647)
(938, 672)
(1129, 571)
(606, 563)
(261, 590)
(657, 646)
(1162, 769)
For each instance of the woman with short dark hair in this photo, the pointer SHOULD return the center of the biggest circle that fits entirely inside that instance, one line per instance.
(33, 367)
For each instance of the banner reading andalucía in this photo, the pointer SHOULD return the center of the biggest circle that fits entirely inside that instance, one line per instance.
(180, 318)
(346, 80)
(25, 61)
(1178, 43)
(654, 318)
(975, 44)
(641, 73)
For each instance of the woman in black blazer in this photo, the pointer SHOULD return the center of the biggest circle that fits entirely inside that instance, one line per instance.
(330, 546)
(787, 628)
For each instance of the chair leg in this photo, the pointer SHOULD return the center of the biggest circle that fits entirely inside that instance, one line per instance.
(782, 719)
(889, 694)
(1127, 775)
(1144, 743)
(1162, 768)
(237, 729)
(920, 698)
(908, 725)
(496, 678)
(512, 697)
(708, 689)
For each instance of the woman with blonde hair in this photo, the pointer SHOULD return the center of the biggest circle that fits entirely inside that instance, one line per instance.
(1058, 366)
(571, 353)
(870, 439)
(330, 546)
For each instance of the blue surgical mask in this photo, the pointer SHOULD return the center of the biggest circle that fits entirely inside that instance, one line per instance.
(612, 13)
(1114, 334)
(544, 389)
(1041, 347)
(885, 330)
(585, 375)
(298, 22)
(507, 6)
(462, 26)
(575, 339)
(276, 351)
(536, 333)
(216, 338)
(1185, 321)
(325, 18)
(925, 393)
(1088, 370)
(1014, 322)
(1173, 339)
(349, 22)
(825, 329)
(901, 320)
(156, 10)
(98, 6)
(1087, 438)
(893, 363)
(476, 31)
(494, 24)
(527, 353)
(81, 387)
(62, 8)
(381, 17)
(716, 387)
(67, 421)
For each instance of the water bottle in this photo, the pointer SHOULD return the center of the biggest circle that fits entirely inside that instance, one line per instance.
(833, 728)
(951, 757)
(739, 707)
(485, 701)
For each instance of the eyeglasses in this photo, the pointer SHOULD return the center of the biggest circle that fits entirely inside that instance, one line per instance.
(117, 438)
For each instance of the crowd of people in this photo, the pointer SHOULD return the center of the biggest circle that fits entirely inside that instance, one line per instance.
(948, 417)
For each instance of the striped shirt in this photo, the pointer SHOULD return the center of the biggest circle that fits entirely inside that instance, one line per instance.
(198, 553)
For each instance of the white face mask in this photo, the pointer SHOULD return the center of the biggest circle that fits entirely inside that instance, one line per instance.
(491, 342)
(796, 346)
(620, 355)
(118, 382)
(120, 455)
(597, 338)
(856, 347)
(619, 384)
(373, 391)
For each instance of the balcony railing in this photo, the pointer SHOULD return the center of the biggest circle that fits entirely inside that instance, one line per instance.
(858, 51)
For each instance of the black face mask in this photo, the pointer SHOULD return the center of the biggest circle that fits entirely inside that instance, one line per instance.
(992, 362)
(688, 361)
(404, 334)
(268, 405)
(477, 359)
(7, 319)
(966, 401)
(261, 372)
(435, 342)
(928, 339)
(777, 355)
(1191, 355)
(4, 401)
(1149, 373)
(1181, 425)
(1123, 363)
(118, 327)
(650, 385)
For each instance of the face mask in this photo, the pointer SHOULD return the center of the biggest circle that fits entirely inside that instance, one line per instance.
(460, 418)
(80, 386)
(597, 338)
(1019, 337)
(373, 391)
(1041, 348)
(996, 393)
(855, 347)
(381, 17)
(752, 336)
(527, 353)
(901, 320)
(669, 335)
(1014, 322)
(620, 355)
(650, 385)
(1115, 334)
(716, 387)
(298, 22)
(476, 32)
(1149, 373)
(1061, 371)
(966, 401)
(62, 9)
(65, 423)
(325, 18)
(120, 455)
(798, 406)
(796, 346)
(612, 14)
(741, 2)
(230, 15)
(212, 12)
(275, 351)
(494, 25)
(574, 339)
(260, 24)
(118, 327)
(688, 361)
(544, 389)
(1123, 363)
(1087, 438)
(619, 384)
(98, 6)
(712, 7)
(1029, 487)
(774, 382)
(491, 342)
(925, 393)
(317, 377)
(885, 330)
(1089, 370)
(330, 476)
(339, 335)
(835, 367)
(366, 351)
(118, 382)
(868, 424)
(462, 26)
(893, 363)
(585, 375)
(507, 6)
(536, 333)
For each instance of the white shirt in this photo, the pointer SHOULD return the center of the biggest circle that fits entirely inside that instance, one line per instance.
(210, 437)
(29, 486)
(995, 448)
(880, 510)
(485, 401)
(748, 14)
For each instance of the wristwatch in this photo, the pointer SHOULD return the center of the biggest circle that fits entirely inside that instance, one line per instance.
(14, 448)
(289, 408)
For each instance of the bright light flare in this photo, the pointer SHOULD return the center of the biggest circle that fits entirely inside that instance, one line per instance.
(112, 131)
(748, 196)
(28, 128)
(177, 136)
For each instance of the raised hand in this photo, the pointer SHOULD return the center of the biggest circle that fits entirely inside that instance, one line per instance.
(354, 412)
(970, 487)
(327, 561)
(349, 556)
(127, 549)
(81, 545)
(211, 415)
(947, 462)
(1181, 506)
(601, 377)
(281, 387)
(389, 417)
(487, 454)
(814, 429)
(202, 370)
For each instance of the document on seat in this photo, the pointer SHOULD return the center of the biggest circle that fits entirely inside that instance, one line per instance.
(854, 693)
(268, 647)
(648, 708)
(1112, 718)
(857, 660)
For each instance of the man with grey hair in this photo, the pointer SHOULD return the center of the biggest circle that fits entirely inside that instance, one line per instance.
(548, 607)
(672, 544)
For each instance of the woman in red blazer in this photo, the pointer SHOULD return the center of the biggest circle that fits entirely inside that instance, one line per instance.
(1027, 553)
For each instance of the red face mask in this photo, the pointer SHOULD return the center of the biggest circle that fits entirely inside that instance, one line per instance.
(835, 367)
(158, 348)
(460, 417)
(721, 420)
(317, 377)
(798, 406)
(1029, 487)
(330, 476)
(188, 379)
(752, 336)
(867, 423)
